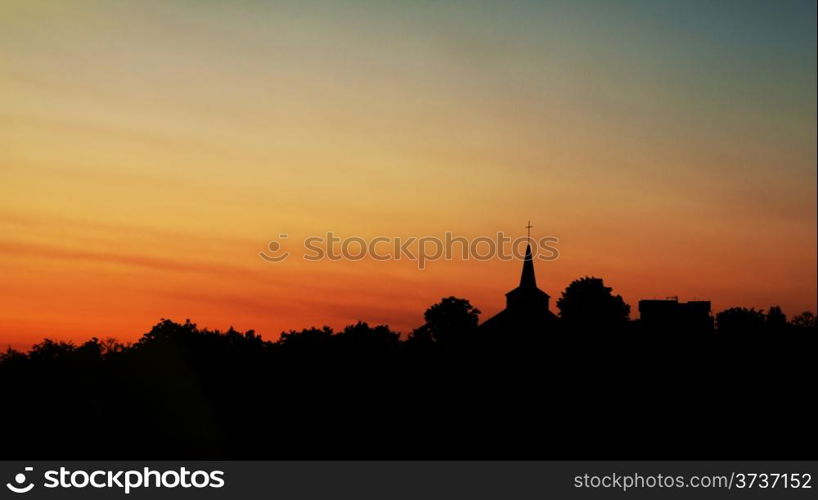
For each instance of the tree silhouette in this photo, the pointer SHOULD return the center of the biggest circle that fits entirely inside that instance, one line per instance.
(309, 337)
(588, 305)
(450, 320)
(776, 320)
(805, 320)
(738, 321)
(51, 351)
(361, 337)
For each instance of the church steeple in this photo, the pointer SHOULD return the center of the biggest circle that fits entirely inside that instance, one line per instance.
(527, 278)
(526, 306)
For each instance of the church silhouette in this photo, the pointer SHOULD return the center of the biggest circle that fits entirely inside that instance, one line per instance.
(526, 306)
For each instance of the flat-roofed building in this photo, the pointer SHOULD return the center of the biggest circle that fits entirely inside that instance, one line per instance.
(673, 316)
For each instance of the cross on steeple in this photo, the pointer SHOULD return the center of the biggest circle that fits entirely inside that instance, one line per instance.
(529, 226)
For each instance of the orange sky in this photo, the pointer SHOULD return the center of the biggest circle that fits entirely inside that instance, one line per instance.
(150, 150)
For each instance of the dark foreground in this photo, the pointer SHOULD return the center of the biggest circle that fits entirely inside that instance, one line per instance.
(185, 393)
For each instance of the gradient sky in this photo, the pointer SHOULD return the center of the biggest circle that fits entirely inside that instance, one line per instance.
(150, 149)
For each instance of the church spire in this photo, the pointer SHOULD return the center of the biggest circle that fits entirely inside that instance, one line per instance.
(527, 278)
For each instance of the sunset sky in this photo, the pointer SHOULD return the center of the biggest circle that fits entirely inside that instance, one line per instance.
(150, 149)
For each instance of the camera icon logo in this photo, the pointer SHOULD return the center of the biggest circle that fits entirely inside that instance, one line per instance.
(20, 478)
(274, 246)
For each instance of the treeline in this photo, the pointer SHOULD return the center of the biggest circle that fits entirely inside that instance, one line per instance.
(602, 387)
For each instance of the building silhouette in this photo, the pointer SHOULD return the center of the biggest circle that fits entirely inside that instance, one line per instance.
(526, 306)
(670, 315)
